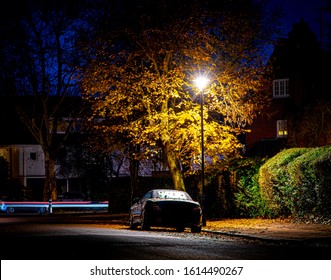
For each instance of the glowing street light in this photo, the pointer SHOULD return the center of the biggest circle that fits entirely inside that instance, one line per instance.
(201, 83)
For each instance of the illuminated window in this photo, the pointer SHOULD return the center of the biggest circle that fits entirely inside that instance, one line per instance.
(282, 128)
(281, 88)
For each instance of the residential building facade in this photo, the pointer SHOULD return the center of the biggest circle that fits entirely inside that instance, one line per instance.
(295, 116)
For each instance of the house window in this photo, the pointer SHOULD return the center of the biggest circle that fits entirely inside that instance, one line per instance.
(281, 88)
(282, 129)
(33, 156)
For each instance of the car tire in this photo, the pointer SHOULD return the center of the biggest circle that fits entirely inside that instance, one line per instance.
(41, 210)
(10, 210)
(196, 229)
(180, 228)
(144, 222)
(132, 224)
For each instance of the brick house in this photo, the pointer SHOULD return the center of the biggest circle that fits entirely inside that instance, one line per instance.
(299, 113)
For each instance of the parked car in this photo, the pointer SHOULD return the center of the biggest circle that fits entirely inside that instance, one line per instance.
(166, 208)
(71, 196)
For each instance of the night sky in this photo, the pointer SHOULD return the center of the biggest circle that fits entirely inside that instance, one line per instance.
(309, 10)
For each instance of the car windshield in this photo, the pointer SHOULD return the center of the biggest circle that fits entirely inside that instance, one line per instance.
(172, 194)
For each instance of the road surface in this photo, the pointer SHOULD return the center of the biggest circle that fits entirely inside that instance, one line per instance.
(39, 237)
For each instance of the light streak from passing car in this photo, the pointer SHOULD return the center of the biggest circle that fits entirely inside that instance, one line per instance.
(10, 205)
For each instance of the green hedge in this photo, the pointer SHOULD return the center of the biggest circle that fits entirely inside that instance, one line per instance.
(248, 198)
(297, 182)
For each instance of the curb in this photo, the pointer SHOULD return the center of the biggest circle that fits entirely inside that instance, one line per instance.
(304, 241)
(253, 237)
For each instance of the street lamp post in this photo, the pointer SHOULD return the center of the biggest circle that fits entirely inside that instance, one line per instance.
(201, 83)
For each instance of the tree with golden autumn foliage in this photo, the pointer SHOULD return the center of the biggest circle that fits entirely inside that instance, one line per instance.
(140, 81)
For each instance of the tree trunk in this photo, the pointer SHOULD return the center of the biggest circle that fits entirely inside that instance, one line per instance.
(50, 190)
(134, 171)
(174, 168)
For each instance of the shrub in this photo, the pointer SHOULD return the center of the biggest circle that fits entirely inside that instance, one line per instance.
(297, 182)
(311, 178)
(274, 181)
(248, 198)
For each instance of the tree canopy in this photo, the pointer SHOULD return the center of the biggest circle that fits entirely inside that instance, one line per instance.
(140, 79)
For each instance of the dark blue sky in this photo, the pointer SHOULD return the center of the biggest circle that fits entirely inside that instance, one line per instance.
(309, 10)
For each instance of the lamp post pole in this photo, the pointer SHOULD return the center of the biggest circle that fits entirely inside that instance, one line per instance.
(202, 159)
(201, 83)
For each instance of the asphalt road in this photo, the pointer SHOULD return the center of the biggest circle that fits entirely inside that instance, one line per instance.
(36, 238)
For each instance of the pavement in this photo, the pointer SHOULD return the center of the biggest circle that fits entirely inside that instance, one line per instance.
(272, 230)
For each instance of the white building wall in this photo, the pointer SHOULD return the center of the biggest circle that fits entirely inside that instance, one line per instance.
(27, 162)
(31, 158)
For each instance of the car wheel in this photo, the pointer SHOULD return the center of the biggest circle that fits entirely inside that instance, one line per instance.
(41, 210)
(132, 224)
(196, 229)
(10, 210)
(144, 222)
(180, 228)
